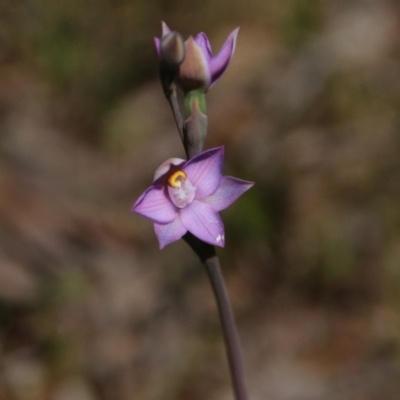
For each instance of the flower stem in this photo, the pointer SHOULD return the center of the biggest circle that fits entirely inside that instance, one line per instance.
(195, 132)
(228, 327)
(173, 102)
(210, 259)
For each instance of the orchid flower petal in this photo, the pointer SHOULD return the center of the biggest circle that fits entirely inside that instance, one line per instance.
(155, 204)
(220, 62)
(205, 171)
(168, 233)
(228, 192)
(203, 222)
(202, 40)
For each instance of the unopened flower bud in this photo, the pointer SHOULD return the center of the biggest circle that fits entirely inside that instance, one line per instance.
(194, 72)
(172, 49)
(199, 69)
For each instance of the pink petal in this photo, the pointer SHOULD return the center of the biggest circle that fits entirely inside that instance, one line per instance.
(205, 170)
(168, 233)
(155, 204)
(228, 191)
(202, 40)
(221, 61)
(203, 222)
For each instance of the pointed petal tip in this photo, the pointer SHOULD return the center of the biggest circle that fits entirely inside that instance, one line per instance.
(220, 241)
(202, 35)
(236, 31)
(219, 150)
(136, 204)
(220, 62)
(164, 28)
(169, 233)
(229, 190)
(215, 150)
(250, 184)
(204, 222)
(233, 35)
(202, 39)
(133, 208)
(206, 155)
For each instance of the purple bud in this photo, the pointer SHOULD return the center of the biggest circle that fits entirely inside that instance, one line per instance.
(172, 49)
(200, 69)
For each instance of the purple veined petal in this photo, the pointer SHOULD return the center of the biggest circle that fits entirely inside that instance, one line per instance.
(203, 222)
(205, 171)
(168, 233)
(229, 190)
(155, 204)
(202, 40)
(220, 62)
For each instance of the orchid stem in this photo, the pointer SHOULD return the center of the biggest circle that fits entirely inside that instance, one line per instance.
(167, 77)
(210, 259)
(229, 329)
(173, 102)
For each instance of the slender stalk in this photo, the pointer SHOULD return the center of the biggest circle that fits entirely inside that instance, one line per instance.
(173, 102)
(229, 329)
(167, 77)
(210, 259)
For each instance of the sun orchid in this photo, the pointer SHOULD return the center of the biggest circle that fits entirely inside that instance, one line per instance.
(187, 196)
(200, 69)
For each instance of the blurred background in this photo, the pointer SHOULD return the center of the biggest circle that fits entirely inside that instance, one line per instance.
(90, 309)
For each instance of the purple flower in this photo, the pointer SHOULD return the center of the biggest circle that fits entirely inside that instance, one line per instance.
(187, 195)
(200, 69)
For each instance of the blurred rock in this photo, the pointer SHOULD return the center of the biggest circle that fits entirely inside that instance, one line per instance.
(17, 283)
(73, 388)
(25, 378)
